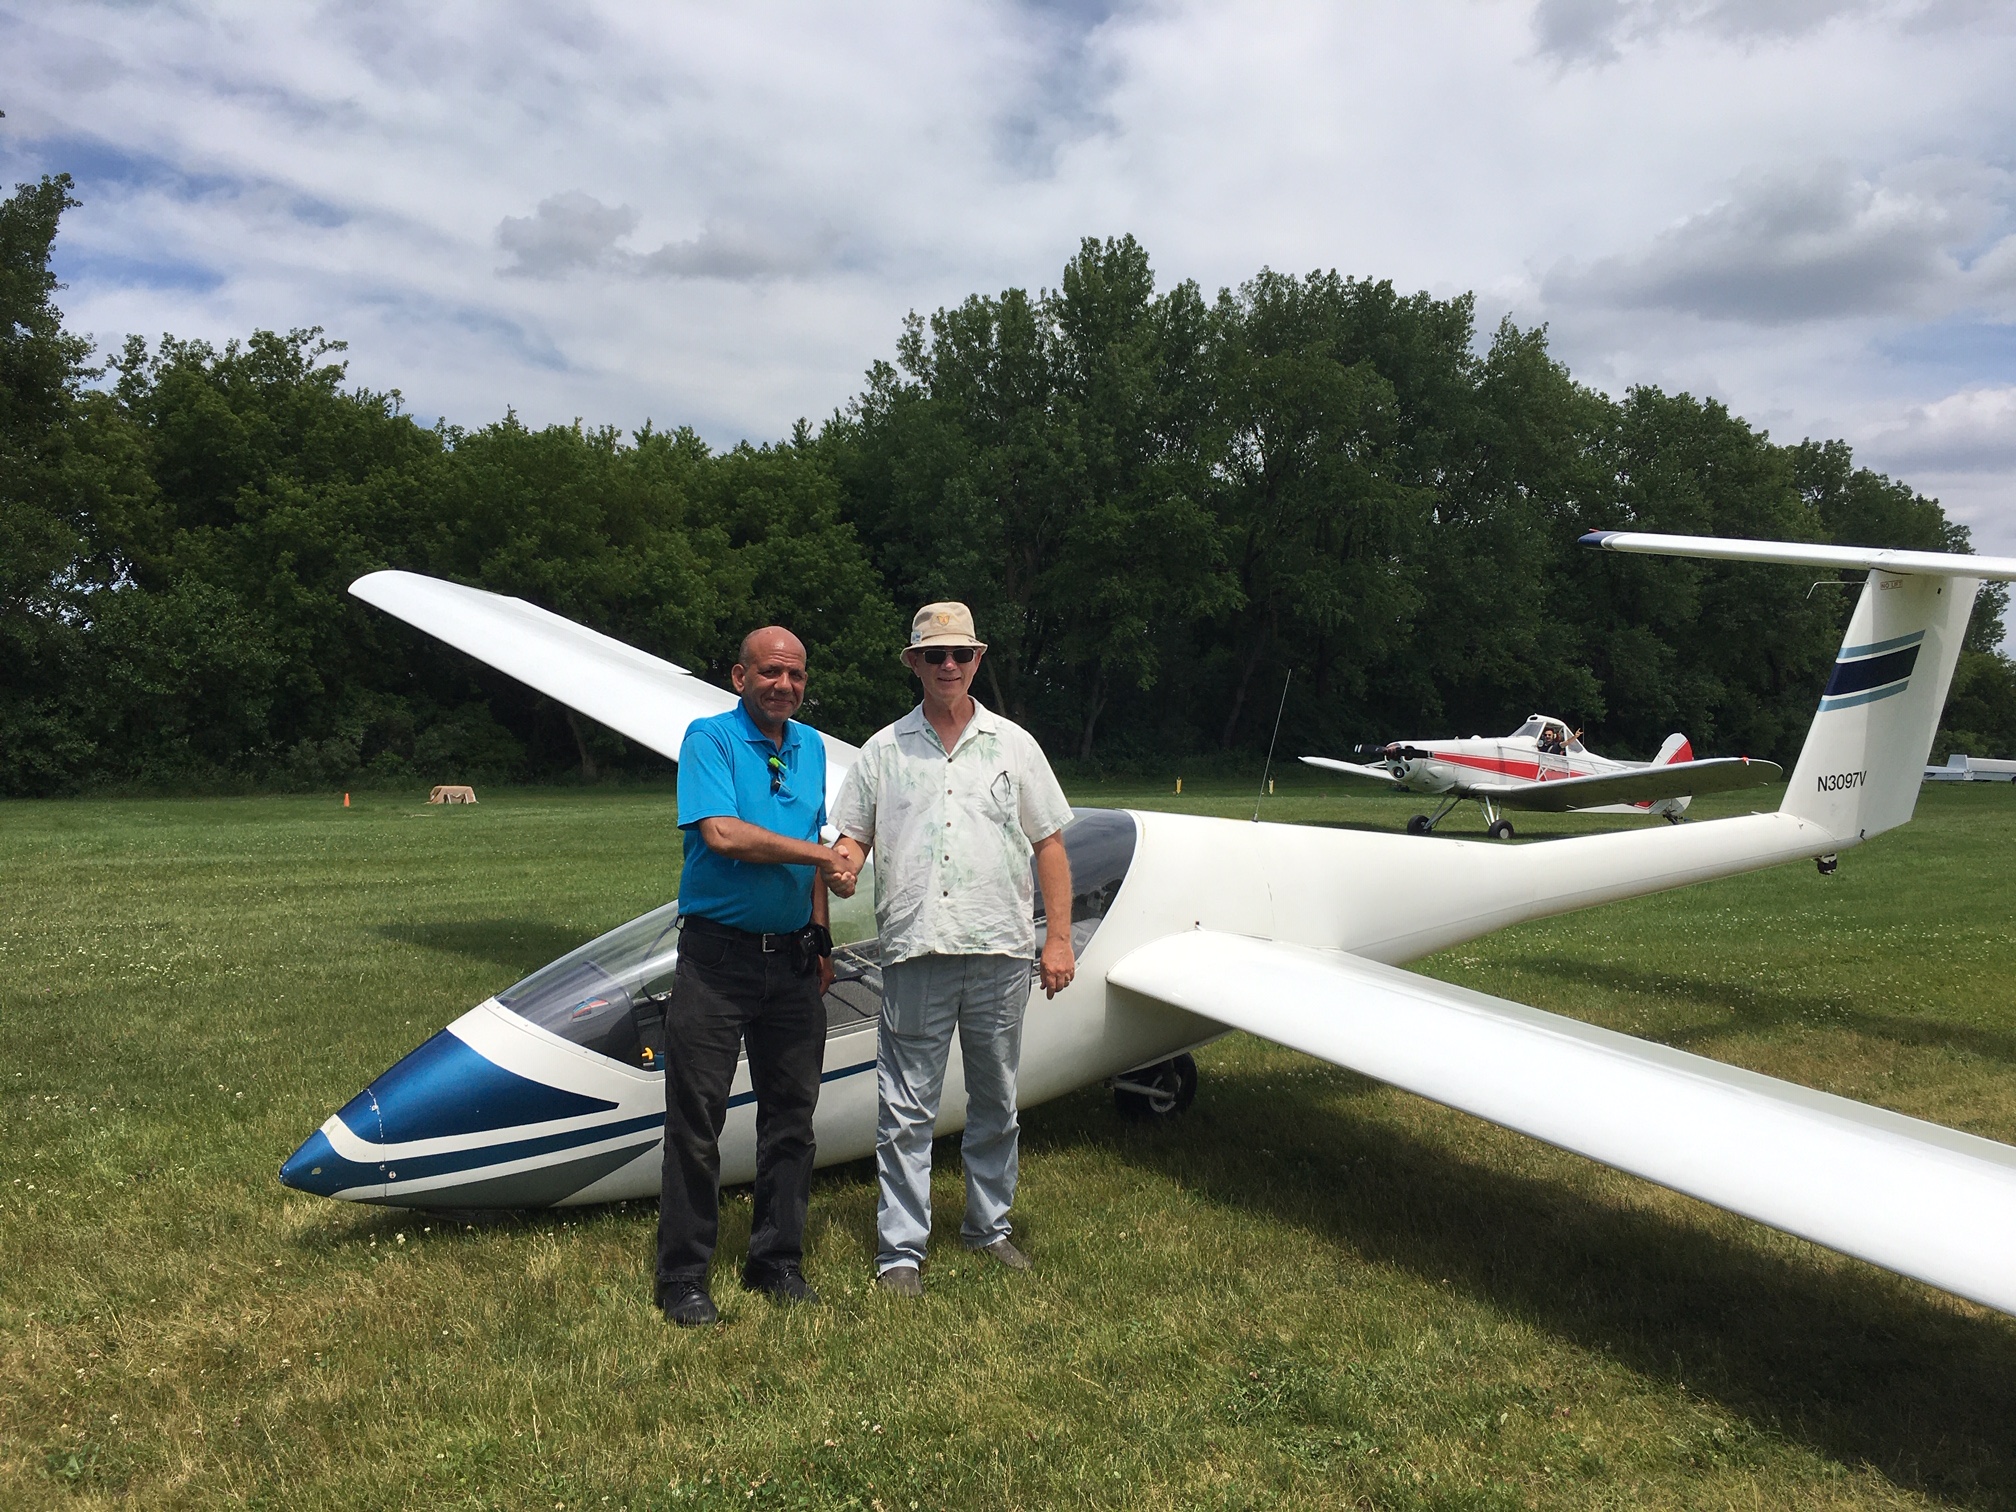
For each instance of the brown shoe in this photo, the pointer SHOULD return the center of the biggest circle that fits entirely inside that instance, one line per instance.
(901, 1281)
(1006, 1253)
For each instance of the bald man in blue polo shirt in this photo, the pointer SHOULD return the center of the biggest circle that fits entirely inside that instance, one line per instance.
(753, 969)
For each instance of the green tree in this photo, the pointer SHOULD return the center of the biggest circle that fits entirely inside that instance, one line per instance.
(1321, 524)
(1733, 654)
(68, 478)
(1041, 460)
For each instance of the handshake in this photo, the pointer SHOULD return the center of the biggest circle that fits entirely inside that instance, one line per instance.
(839, 871)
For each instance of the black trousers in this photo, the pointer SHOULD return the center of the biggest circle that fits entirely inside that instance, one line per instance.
(728, 992)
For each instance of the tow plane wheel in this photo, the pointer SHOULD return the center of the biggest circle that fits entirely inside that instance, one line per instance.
(1418, 825)
(1501, 830)
(1158, 1091)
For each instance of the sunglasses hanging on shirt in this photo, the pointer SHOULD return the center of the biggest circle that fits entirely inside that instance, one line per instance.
(936, 655)
(776, 774)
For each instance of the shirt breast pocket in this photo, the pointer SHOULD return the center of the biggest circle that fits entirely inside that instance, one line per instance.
(1001, 805)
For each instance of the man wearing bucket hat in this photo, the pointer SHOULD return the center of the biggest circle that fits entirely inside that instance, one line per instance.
(955, 801)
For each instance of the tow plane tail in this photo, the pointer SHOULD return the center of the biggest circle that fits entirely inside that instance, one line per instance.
(1864, 757)
(1677, 748)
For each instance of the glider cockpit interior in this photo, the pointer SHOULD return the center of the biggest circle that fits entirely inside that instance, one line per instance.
(608, 996)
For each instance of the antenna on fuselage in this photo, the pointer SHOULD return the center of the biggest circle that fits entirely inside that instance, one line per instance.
(1270, 745)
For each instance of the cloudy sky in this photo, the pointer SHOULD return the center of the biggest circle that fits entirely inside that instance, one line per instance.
(717, 216)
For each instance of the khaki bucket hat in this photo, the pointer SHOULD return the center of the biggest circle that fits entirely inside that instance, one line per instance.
(946, 624)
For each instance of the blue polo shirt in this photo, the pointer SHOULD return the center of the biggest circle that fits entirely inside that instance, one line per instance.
(724, 773)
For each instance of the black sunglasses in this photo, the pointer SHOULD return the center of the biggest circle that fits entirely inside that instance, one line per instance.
(776, 773)
(936, 655)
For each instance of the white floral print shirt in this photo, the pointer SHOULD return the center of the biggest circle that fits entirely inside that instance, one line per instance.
(952, 834)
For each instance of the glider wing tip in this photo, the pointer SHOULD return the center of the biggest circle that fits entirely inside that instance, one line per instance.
(360, 587)
(1599, 538)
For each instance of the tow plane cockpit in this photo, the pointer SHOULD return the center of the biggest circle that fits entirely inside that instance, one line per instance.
(1544, 766)
(551, 1093)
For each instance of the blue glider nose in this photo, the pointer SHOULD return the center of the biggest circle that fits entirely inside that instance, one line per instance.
(443, 1090)
(317, 1168)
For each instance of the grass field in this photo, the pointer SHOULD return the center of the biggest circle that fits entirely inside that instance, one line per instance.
(1311, 1291)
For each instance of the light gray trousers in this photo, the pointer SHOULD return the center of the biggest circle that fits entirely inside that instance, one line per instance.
(923, 1000)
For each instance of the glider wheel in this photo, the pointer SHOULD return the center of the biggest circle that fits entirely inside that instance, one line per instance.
(1418, 825)
(1157, 1091)
(1502, 830)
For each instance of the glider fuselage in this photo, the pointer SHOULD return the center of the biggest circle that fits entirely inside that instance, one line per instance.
(551, 1093)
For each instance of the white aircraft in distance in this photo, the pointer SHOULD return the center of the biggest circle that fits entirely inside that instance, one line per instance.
(1961, 768)
(1543, 765)
(550, 1093)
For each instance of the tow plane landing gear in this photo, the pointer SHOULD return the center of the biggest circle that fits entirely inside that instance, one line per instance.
(1158, 1091)
(1422, 824)
(1496, 827)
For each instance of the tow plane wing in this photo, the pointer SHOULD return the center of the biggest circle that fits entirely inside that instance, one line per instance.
(1680, 779)
(1914, 1197)
(1353, 769)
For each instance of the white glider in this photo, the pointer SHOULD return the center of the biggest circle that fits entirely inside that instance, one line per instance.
(552, 1092)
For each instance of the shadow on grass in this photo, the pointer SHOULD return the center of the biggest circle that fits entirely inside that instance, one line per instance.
(1849, 1362)
(1757, 1010)
(520, 945)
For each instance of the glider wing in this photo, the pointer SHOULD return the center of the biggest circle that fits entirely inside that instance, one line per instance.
(1677, 779)
(632, 692)
(1802, 554)
(1914, 1197)
(1353, 769)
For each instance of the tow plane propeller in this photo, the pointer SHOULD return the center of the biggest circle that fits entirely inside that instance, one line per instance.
(552, 1092)
(1544, 766)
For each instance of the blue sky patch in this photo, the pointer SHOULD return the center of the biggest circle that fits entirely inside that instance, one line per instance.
(1961, 350)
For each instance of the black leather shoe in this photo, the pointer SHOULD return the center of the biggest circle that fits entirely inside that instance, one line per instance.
(785, 1284)
(688, 1305)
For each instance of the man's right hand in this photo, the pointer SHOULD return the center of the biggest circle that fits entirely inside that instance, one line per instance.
(839, 874)
(852, 856)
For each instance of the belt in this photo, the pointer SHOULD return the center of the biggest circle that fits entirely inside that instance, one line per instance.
(768, 944)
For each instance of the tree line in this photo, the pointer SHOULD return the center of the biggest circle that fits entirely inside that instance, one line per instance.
(1156, 502)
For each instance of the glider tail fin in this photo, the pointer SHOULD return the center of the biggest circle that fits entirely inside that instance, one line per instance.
(1865, 754)
(1864, 757)
(1677, 748)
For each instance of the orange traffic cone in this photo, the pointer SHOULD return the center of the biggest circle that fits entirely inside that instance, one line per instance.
(346, 800)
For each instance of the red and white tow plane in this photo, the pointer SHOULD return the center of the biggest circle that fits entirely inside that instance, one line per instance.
(1543, 765)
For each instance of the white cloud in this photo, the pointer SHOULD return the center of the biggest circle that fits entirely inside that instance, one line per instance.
(1972, 431)
(1817, 244)
(1597, 31)
(718, 216)
(568, 231)
(576, 233)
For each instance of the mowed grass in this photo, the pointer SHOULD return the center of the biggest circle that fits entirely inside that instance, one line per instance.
(1311, 1291)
